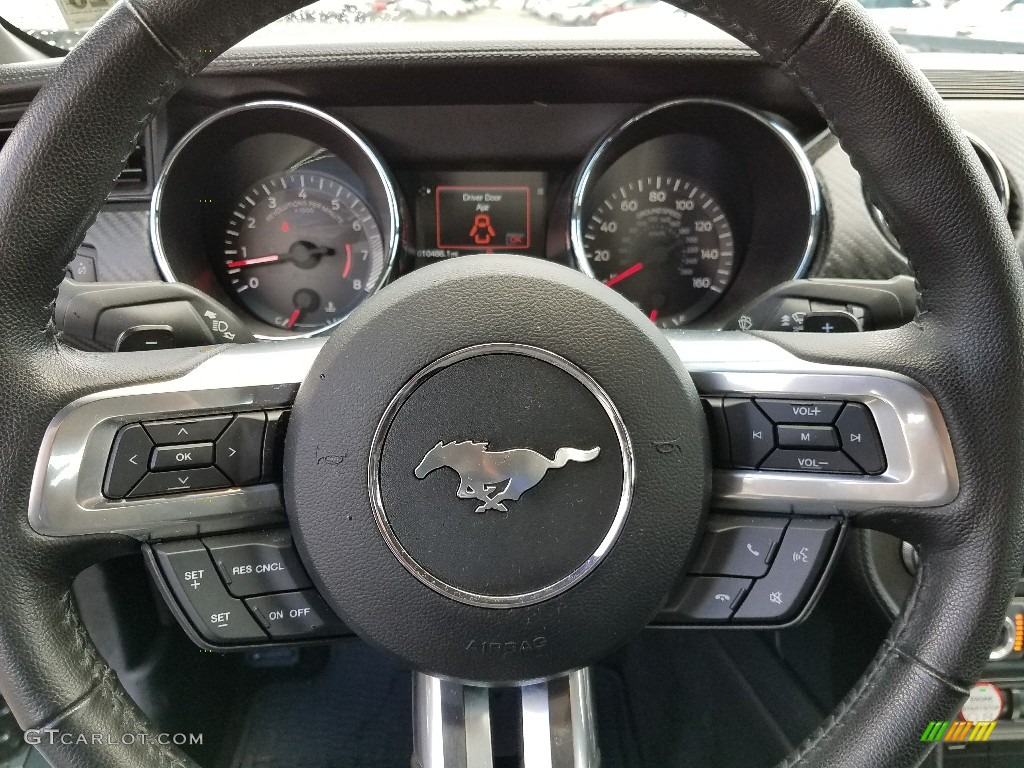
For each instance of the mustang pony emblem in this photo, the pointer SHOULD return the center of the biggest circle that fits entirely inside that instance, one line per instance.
(481, 471)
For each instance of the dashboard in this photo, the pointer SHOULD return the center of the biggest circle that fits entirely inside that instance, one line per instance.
(291, 185)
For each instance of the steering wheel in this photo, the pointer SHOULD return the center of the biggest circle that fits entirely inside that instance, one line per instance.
(513, 345)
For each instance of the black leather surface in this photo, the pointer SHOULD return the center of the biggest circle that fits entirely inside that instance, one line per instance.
(965, 348)
(57, 167)
(458, 304)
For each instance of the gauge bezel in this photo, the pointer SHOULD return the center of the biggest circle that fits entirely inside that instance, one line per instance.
(346, 143)
(657, 122)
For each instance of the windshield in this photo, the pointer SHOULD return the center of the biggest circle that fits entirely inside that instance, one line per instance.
(979, 26)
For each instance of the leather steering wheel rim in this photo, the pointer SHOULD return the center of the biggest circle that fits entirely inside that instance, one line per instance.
(964, 347)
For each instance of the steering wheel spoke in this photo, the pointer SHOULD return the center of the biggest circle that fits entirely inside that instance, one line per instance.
(802, 451)
(454, 724)
(798, 437)
(189, 454)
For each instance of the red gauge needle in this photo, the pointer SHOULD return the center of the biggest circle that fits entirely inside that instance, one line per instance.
(654, 315)
(348, 261)
(624, 274)
(294, 318)
(253, 262)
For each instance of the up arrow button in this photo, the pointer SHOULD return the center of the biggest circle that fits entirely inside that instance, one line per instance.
(198, 430)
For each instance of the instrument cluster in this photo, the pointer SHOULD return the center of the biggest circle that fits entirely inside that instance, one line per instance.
(689, 209)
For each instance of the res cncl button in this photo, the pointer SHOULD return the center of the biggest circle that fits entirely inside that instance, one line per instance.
(257, 563)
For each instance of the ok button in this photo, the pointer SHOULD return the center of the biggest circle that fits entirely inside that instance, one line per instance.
(181, 456)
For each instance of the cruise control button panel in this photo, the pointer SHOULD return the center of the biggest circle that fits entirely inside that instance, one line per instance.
(204, 453)
(218, 617)
(754, 570)
(811, 436)
(242, 589)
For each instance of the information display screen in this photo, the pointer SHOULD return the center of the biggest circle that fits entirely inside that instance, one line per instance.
(480, 212)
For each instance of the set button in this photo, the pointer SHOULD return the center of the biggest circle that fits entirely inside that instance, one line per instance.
(217, 616)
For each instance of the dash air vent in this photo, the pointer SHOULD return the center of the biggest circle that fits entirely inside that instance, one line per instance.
(133, 181)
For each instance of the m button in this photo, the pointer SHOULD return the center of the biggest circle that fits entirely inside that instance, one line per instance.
(820, 438)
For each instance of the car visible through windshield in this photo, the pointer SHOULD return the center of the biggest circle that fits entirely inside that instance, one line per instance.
(975, 26)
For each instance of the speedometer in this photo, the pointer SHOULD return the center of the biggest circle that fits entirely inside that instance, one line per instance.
(662, 241)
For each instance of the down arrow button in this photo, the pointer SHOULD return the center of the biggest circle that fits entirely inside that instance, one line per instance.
(239, 451)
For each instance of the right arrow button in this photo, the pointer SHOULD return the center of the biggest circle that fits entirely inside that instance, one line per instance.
(239, 452)
(860, 438)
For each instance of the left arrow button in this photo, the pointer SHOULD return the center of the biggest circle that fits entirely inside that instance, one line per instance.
(128, 459)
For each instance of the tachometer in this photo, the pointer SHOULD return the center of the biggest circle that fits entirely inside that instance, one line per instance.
(301, 250)
(662, 241)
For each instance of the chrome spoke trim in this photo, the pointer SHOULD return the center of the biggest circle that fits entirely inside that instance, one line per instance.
(558, 723)
(452, 723)
(66, 497)
(921, 469)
